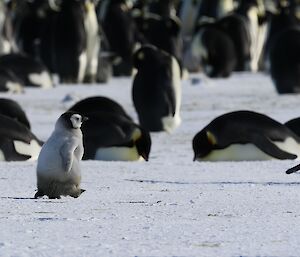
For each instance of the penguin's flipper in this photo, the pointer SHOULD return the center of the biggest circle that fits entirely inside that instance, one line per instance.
(171, 99)
(293, 169)
(66, 153)
(268, 147)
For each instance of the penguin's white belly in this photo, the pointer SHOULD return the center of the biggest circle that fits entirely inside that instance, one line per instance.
(117, 154)
(249, 152)
(290, 145)
(171, 122)
(2, 157)
(50, 163)
(33, 149)
(42, 79)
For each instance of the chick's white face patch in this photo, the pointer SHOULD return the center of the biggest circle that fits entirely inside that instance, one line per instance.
(76, 120)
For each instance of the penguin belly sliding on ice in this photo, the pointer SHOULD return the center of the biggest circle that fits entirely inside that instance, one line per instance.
(245, 136)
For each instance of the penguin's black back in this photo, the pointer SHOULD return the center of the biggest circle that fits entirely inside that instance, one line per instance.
(99, 104)
(12, 109)
(239, 127)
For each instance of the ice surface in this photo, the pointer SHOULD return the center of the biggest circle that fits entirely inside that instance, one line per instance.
(169, 206)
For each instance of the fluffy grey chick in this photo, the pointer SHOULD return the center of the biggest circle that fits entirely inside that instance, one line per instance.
(58, 167)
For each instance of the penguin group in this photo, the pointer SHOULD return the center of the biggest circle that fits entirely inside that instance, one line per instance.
(89, 41)
(156, 43)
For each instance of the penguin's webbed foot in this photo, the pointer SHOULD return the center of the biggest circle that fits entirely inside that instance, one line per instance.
(38, 194)
(78, 193)
(54, 197)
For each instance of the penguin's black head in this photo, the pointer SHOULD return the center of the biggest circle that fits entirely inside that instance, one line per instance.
(143, 142)
(72, 120)
(149, 56)
(203, 144)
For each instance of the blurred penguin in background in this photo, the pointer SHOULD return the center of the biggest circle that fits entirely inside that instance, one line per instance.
(283, 49)
(156, 89)
(63, 34)
(121, 32)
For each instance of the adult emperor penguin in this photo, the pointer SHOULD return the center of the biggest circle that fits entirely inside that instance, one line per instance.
(58, 167)
(17, 142)
(156, 89)
(245, 135)
(113, 137)
(110, 134)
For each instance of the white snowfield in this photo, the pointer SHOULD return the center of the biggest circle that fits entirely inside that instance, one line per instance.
(169, 206)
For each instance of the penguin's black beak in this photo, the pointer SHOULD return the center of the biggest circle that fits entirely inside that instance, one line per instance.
(84, 118)
(195, 158)
(145, 156)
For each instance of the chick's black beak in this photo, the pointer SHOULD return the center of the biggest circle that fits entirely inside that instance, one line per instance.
(84, 118)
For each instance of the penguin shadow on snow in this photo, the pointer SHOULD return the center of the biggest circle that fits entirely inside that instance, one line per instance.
(221, 183)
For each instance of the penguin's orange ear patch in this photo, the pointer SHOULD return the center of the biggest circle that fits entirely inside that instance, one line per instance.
(211, 138)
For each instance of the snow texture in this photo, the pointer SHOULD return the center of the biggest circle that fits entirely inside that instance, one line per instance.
(169, 206)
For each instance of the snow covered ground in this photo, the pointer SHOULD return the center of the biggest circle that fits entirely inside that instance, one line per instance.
(169, 206)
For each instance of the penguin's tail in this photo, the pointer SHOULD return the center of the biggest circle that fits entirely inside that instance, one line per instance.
(293, 169)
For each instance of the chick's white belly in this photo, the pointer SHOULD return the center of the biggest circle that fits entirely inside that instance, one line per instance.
(49, 162)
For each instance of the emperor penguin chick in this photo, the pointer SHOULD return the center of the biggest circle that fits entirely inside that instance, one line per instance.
(58, 167)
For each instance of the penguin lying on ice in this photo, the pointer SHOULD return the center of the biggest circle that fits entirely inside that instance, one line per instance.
(245, 135)
(110, 134)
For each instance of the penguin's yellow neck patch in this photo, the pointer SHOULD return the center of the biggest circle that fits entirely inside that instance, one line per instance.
(136, 134)
(88, 6)
(211, 138)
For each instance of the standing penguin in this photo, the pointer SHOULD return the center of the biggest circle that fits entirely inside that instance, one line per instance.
(58, 168)
(215, 51)
(156, 89)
